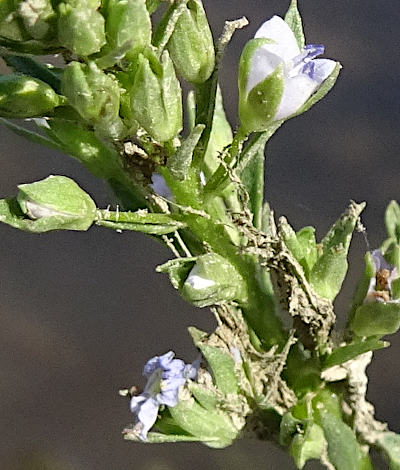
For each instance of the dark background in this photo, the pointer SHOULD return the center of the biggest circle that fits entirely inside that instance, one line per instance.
(81, 312)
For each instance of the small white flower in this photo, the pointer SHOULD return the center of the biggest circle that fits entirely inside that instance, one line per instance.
(302, 73)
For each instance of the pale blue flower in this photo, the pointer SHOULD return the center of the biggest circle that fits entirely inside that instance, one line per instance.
(303, 73)
(165, 376)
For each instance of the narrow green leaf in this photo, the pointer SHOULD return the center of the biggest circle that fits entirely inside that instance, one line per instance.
(330, 269)
(223, 368)
(350, 351)
(343, 448)
(31, 136)
(141, 221)
(293, 19)
(159, 438)
(29, 66)
(179, 163)
(392, 220)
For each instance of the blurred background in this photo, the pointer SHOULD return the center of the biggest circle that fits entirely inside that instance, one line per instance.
(82, 312)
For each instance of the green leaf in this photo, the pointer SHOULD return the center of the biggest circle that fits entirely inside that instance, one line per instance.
(390, 444)
(45, 72)
(30, 135)
(293, 19)
(343, 448)
(214, 428)
(350, 351)
(159, 438)
(309, 445)
(223, 368)
(376, 318)
(392, 220)
(179, 163)
(177, 270)
(330, 269)
(206, 398)
(141, 221)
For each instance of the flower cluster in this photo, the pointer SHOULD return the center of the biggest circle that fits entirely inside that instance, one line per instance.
(165, 376)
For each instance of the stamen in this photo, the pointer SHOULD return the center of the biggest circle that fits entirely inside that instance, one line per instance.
(314, 50)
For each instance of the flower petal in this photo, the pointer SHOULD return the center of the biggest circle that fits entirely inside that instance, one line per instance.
(147, 416)
(279, 31)
(136, 402)
(296, 92)
(322, 68)
(263, 63)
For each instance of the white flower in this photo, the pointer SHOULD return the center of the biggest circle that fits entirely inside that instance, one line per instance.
(302, 73)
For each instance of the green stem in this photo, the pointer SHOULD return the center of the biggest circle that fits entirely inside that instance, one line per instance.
(256, 305)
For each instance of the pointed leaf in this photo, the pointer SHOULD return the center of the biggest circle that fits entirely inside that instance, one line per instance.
(205, 397)
(330, 269)
(392, 220)
(343, 448)
(293, 19)
(350, 351)
(223, 368)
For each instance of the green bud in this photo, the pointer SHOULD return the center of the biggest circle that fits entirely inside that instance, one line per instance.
(37, 16)
(156, 97)
(95, 95)
(212, 280)
(127, 25)
(81, 27)
(191, 44)
(55, 203)
(22, 97)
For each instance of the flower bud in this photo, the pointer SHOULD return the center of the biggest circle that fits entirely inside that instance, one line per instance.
(212, 280)
(191, 45)
(55, 203)
(81, 27)
(38, 17)
(22, 97)
(95, 95)
(277, 78)
(127, 25)
(156, 96)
